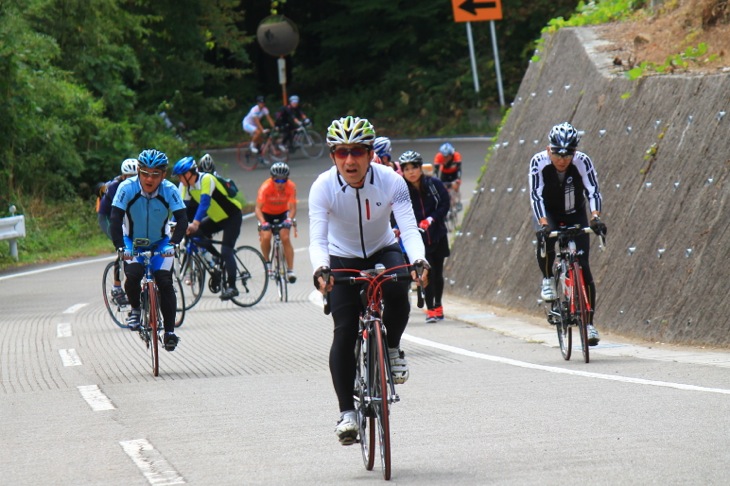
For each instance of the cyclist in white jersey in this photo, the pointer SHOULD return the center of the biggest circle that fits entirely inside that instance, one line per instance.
(252, 122)
(562, 179)
(349, 215)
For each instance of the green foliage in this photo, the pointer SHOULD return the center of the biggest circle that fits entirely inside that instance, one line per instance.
(676, 61)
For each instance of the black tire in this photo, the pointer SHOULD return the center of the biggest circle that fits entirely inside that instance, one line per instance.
(276, 152)
(251, 276)
(312, 144)
(365, 417)
(150, 323)
(179, 299)
(279, 263)
(581, 310)
(246, 160)
(117, 312)
(560, 306)
(192, 277)
(380, 392)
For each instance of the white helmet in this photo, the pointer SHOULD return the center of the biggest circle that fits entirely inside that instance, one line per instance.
(129, 166)
(350, 129)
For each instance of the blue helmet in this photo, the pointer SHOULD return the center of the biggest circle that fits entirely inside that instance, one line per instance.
(154, 159)
(184, 165)
(382, 146)
(447, 149)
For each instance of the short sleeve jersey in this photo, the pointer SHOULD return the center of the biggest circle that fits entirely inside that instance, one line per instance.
(255, 112)
(146, 215)
(273, 200)
(448, 168)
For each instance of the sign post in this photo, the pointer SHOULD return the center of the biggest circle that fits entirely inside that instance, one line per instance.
(478, 10)
(278, 36)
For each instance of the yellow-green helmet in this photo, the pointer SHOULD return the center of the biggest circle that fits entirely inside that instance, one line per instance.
(350, 130)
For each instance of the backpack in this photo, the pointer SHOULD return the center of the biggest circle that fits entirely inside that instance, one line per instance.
(229, 184)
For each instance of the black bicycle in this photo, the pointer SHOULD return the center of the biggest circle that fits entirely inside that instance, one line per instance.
(572, 308)
(374, 390)
(115, 300)
(310, 142)
(278, 261)
(195, 262)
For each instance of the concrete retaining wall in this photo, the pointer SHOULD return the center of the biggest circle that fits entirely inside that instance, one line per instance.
(673, 203)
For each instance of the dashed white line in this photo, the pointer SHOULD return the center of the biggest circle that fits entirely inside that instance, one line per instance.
(154, 467)
(74, 308)
(63, 329)
(95, 398)
(564, 371)
(69, 357)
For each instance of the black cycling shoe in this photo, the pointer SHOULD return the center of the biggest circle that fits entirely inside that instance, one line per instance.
(170, 341)
(229, 293)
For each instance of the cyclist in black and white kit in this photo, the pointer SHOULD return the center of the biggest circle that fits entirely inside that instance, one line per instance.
(349, 216)
(561, 180)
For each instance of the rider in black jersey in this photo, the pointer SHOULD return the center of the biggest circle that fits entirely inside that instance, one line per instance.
(561, 180)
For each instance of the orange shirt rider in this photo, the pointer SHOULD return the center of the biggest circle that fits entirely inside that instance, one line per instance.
(448, 169)
(275, 200)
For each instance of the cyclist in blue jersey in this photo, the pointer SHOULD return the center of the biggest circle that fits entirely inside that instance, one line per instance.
(562, 181)
(140, 211)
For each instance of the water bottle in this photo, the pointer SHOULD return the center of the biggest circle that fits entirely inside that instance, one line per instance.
(207, 257)
(379, 268)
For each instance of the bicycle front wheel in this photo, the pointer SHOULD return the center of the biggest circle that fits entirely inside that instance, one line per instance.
(380, 398)
(581, 309)
(118, 306)
(251, 276)
(246, 160)
(312, 144)
(560, 307)
(275, 152)
(192, 275)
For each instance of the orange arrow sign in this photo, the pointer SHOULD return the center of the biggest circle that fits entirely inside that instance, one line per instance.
(476, 10)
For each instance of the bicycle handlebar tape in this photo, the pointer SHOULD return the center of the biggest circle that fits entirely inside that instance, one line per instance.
(419, 266)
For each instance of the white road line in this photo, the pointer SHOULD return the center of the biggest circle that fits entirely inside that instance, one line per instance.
(95, 398)
(59, 267)
(63, 329)
(154, 467)
(564, 371)
(74, 308)
(69, 357)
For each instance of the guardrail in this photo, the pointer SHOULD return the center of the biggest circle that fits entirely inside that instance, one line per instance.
(11, 229)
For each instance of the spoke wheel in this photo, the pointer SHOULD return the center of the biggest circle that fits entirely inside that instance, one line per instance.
(179, 298)
(276, 152)
(581, 310)
(280, 272)
(246, 160)
(117, 312)
(251, 276)
(380, 401)
(312, 144)
(151, 313)
(365, 417)
(192, 277)
(565, 336)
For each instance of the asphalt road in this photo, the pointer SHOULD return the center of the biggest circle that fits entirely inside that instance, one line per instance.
(247, 397)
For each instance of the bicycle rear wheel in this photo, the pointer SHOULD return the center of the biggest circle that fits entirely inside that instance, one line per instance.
(179, 298)
(380, 398)
(251, 276)
(246, 160)
(280, 272)
(118, 309)
(192, 275)
(275, 152)
(365, 417)
(150, 323)
(312, 144)
(581, 309)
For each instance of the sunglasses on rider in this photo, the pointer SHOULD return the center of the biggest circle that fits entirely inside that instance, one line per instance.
(342, 152)
(280, 181)
(151, 174)
(563, 153)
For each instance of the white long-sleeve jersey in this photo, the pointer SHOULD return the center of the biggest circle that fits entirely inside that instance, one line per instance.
(355, 222)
